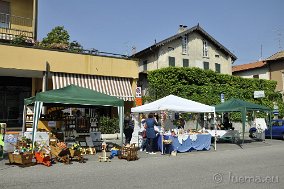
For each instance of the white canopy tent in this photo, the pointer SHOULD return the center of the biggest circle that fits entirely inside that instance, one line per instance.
(174, 103)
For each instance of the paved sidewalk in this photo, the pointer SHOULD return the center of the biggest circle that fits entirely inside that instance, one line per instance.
(249, 144)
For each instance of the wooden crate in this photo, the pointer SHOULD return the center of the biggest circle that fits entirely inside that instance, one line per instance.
(23, 158)
(55, 150)
(129, 153)
(76, 154)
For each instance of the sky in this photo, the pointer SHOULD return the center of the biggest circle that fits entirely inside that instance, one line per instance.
(250, 29)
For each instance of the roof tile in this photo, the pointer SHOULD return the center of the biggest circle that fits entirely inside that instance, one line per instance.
(249, 66)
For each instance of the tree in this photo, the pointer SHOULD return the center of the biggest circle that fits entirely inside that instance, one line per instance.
(58, 38)
(74, 46)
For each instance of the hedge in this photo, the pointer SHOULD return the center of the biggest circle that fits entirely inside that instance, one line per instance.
(206, 86)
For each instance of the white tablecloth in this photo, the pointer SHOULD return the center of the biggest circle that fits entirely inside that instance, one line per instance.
(224, 133)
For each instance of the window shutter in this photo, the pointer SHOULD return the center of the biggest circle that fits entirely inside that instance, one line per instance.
(145, 65)
(185, 63)
(217, 68)
(206, 65)
(4, 14)
(4, 7)
(172, 61)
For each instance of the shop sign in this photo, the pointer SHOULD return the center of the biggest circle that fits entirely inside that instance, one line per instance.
(222, 98)
(10, 141)
(138, 92)
(138, 101)
(258, 94)
(40, 137)
(51, 124)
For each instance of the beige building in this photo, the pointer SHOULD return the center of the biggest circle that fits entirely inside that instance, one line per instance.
(271, 68)
(258, 70)
(192, 47)
(26, 70)
(18, 17)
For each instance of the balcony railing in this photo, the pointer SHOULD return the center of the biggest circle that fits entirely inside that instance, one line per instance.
(11, 26)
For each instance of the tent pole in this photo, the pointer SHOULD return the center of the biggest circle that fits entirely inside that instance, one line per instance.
(244, 113)
(196, 127)
(37, 111)
(270, 124)
(121, 118)
(24, 119)
(215, 127)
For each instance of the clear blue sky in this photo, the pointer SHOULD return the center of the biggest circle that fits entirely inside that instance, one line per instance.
(115, 26)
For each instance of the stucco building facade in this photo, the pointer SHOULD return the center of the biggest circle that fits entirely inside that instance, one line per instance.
(192, 47)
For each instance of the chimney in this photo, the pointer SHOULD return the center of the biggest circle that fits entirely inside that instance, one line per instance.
(182, 28)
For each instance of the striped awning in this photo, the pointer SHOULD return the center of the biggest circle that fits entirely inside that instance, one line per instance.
(113, 86)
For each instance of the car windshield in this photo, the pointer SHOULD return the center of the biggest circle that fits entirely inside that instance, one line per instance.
(277, 123)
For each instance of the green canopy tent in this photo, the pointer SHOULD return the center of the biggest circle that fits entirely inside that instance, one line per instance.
(237, 105)
(72, 96)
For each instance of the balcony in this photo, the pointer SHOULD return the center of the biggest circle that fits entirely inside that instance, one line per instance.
(11, 26)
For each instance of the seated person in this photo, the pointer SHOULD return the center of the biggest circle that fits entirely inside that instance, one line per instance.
(219, 127)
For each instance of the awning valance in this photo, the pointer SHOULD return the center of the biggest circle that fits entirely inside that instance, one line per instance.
(113, 86)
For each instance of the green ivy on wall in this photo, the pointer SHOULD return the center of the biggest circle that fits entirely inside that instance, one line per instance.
(206, 86)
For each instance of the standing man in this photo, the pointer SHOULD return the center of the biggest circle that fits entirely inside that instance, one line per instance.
(128, 128)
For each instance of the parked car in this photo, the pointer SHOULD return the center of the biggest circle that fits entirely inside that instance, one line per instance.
(277, 130)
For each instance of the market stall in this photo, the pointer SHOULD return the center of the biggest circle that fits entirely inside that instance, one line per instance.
(186, 143)
(228, 135)
(237, 105)
(177, 104)
(70, 96)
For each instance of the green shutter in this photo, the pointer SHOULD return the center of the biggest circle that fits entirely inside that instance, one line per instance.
(217, 68)
(145, 65)
(172, 61)
(185, 63)
(206, 65)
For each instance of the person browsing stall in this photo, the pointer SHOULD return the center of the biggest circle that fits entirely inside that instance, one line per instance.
(128, 128)
(150, 132)
(143, 133)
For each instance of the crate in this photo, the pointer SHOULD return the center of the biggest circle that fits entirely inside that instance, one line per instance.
(55, 150)
(129, 153)
(23, 158)
(76, 154)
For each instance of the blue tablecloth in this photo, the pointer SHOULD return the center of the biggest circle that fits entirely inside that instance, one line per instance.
(203, 142)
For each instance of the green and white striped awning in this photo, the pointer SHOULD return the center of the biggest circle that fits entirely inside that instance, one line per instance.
(113, 86)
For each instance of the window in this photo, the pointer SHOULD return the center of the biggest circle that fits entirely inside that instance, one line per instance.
(185, 63)
(205, 49)
(217, 68)
(206, 65)
(172, 61)
(184, 44)
(217, 55)
(145, 65)
(171, 49)
(4, 14)
(256, 76)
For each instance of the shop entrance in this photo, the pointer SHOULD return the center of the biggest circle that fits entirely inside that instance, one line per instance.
(13, 91)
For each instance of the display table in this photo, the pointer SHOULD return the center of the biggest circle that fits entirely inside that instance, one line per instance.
(188, 143)
(232, 135)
